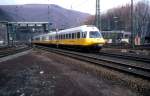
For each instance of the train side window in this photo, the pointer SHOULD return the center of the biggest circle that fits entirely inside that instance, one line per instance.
(62, 36)
(73, 35)
(84, 34)
(67, 36)
(78, 34)
(43, 38)
(47, 37)
(52, 37)
(70, 36)
(58, 37)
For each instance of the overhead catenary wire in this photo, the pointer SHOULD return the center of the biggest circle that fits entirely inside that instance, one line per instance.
(79, 4)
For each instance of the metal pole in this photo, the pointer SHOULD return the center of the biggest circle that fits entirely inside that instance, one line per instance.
(132, 30)
(57, 38)
(48, 17)
(97, 15)
(8, 34)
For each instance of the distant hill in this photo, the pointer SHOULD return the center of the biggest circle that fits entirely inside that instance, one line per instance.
(58, 16)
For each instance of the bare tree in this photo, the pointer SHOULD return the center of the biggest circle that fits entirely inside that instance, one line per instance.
(141, 18)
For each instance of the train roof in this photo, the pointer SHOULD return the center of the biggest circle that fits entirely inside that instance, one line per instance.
(80, 28)
(45, 34)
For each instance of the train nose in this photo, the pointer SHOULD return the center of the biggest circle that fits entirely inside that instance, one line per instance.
(99, 40)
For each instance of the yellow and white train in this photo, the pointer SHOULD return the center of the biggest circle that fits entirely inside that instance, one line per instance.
(86, 37)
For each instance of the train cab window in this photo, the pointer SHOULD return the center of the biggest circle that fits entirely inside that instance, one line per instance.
(95, 34)
(78, 34)
(84, 34)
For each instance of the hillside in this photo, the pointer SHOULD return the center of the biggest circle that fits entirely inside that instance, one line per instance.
(58, 16)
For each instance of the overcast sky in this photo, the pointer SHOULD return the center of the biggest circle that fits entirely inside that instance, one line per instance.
(87, 6)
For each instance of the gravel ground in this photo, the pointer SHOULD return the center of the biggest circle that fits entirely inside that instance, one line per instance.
(41, 73)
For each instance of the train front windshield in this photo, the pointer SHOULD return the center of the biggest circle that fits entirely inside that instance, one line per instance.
(95, 34)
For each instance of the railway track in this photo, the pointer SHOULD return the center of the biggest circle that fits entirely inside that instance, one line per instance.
(126, 67)
(13, 51)
(134, 57)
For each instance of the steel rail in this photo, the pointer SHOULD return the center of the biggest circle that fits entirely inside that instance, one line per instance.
(134, 70)
(126, 56)
(13, 51)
